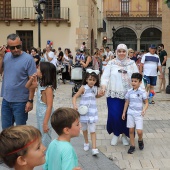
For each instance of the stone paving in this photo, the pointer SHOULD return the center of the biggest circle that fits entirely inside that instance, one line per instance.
(156, 154)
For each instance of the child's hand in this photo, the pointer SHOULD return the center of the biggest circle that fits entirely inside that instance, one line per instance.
(45, 128)
(123, 116)
(32, 82)
(100, 93)
(103, 89)
(143, 113)
(77, 168)
(75, 107)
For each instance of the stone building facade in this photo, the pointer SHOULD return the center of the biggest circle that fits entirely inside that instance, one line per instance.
(133, 22)
(166, 28)
(66, 23)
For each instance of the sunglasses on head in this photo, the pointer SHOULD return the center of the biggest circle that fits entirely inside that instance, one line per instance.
(13, 47)
(121, 51)
(122, 71)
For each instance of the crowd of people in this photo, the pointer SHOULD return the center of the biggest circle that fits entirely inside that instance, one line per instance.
(119, 76)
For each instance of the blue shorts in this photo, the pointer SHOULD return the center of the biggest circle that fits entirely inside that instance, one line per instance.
(150, 80)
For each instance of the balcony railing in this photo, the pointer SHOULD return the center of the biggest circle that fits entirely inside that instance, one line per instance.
(133, 14)
(28, 13)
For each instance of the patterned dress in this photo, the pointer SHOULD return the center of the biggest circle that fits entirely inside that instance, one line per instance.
(89, 99)
(41, 108)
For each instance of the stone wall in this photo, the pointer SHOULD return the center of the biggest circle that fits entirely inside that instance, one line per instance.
(166, 29)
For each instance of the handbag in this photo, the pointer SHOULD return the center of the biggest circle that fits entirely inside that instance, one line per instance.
(83, 110)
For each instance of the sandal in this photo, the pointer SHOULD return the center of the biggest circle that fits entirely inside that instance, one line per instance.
(152, 102)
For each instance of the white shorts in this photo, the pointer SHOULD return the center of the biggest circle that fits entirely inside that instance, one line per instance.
(91, 127)
(135, 120)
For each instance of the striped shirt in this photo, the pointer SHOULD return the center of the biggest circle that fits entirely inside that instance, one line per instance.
(151, 63)
(89, 99)
(135, 98)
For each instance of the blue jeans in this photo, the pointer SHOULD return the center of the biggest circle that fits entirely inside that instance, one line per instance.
(13, 112)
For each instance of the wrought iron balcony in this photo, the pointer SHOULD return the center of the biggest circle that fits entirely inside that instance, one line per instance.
(29, 13)
(134, 15)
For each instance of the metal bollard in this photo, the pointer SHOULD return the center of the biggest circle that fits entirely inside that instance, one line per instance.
(168, 86)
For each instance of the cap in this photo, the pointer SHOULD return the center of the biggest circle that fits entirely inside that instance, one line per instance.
(153, 46)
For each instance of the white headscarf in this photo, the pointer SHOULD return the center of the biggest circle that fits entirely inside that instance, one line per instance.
(122, 47)
(126, 61)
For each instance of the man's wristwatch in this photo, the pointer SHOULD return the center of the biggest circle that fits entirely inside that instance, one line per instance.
(31, 101)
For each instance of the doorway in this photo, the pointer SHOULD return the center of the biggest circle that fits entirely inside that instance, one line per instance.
(26, 38)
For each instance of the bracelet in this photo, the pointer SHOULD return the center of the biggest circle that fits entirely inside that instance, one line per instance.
(31, 101)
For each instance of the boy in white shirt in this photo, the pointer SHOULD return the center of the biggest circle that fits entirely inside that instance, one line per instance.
(134, 104)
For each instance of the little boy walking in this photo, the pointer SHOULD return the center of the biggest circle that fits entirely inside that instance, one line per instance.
(134, 103)
(60, 154)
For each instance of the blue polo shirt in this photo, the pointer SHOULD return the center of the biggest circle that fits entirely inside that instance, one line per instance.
(15, 76)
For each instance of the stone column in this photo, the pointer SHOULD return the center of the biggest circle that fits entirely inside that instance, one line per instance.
(166, 28)
(138, 44)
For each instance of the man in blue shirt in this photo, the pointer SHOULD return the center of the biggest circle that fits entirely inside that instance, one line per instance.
(79, 57)
(17, 66)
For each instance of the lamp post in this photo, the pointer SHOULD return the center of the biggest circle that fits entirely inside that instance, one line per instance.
(113, 38)
(39, 7)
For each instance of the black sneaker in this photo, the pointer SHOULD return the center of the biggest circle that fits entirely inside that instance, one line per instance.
(131, 149)
(141, 144)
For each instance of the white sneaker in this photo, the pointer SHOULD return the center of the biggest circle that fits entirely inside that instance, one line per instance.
(94, 151)
(125, 140)
(114, 140)
(86, 146)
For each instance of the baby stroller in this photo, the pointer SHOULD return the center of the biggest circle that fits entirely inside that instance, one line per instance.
(76, 77)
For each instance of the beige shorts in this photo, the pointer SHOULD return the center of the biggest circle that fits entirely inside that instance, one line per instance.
(163, 71)
(91, 127)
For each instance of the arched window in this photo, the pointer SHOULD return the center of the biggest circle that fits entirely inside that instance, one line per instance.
(150, 36)
(126, 36)
(124, 7)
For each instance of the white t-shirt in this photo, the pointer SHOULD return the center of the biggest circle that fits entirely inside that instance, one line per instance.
(51, 55)
(150, 64)
(108, 54)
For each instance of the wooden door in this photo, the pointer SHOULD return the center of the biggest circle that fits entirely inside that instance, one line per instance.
(26, 38)
(124, 8)
(5, 8)
(152, 8)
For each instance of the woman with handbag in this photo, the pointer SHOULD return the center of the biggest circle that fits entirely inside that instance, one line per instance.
(116, 81)
(88, 108)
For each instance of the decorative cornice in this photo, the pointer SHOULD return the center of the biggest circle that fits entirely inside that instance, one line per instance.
(7, 23)
(45, 22)
(19, 22)
(57, 23)
(69, 23)
(94, 1)
(32, 22)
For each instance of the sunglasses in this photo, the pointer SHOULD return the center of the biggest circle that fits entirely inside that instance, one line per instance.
(122, 71)
(13, 47)
(131, 52)
(121, 51)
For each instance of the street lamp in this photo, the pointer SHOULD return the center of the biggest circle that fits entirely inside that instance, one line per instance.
(39, 7)
(113, 38)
